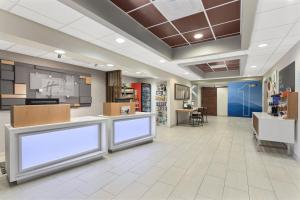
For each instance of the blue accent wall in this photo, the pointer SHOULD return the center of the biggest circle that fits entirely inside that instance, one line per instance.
(244, 98)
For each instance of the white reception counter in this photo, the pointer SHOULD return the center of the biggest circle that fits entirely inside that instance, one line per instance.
(129, 130)
(37, 150)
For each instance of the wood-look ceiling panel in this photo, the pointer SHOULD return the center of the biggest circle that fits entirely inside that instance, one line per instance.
(128, 5)
(228, 65)
(212, 3)
(175, 40)
(164, 30)
(148, 16)
(192, 22)
(157, 17)
(227, 29)
(224, 13)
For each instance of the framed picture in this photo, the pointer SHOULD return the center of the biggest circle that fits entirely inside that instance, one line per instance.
(182, 92)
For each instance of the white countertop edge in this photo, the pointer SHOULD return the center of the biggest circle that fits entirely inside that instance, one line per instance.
(137, 114)
(74, 122)
(264, 115)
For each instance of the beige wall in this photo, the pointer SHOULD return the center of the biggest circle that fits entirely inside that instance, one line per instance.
(98, 88)
(291, 56)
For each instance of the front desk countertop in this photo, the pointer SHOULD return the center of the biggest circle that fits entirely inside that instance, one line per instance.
(38, 150)
(125, 131)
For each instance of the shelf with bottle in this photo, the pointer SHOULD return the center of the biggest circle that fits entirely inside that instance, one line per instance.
(284, 105)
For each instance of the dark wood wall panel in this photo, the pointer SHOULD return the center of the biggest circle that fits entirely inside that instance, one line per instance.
(209, 100)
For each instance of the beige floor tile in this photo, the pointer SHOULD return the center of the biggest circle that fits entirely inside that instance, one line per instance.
(278, 173)
(199, 197)
(187, 188)
(260, 194)
(172, 176)
(101, 194)
(158, 191)
(120, 183)
(217, 170)
(256, 180)
(234, 194)
(236, 180)
(286, 191)
(151, 176)
(212, 187)
(133, 191)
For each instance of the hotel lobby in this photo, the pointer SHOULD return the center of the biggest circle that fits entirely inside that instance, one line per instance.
(149, 99)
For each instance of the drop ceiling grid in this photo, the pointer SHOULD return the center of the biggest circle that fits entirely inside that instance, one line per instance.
(179, 33)
(236, 66)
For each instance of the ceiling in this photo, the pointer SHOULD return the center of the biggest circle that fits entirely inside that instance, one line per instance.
(90, 28)
(277, 29)
(219, 66)
(177, 22)
(72, 22)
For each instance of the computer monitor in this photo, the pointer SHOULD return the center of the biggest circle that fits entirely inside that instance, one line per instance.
(41, 101)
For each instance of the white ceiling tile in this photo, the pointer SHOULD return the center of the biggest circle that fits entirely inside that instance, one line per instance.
(295, 30)
(291, 40)
(27, 50)
(278, 17)
(175, 9)
(91, 27)
(266, 5)
(52, 9)
(258, 60)
(5, 44)
(33, 16)
(105, 45)
(6, 4)
(78, 34)
(272, 44)
(271, 33)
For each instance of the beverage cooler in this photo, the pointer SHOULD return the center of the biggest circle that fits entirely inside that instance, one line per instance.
(142, 96)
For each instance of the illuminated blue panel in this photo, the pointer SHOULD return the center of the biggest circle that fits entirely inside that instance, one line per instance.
(130, 129)
(43, 147)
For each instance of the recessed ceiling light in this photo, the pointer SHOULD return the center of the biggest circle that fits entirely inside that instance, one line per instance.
(198, 36)
(186, 73)
(59, 51)
(253, 67)
(120, 40)
(162, 61)
(109, 65)
(262, 45)
(138, 72)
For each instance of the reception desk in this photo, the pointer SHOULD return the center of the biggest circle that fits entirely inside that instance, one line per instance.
(38, 150)
(130, 130)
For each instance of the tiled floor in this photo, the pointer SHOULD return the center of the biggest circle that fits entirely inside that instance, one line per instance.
(217, 161)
